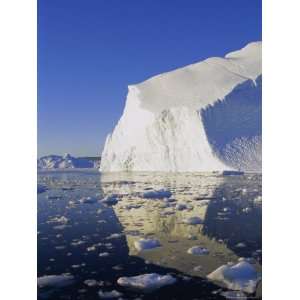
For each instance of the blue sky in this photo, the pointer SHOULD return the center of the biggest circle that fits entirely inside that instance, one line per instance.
(89, 51)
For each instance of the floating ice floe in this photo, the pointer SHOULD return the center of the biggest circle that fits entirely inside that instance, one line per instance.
(146, 244)
(198, 250)
(76, 243)
(240, 245)
(241, 276)
(88, 200)
(55, 281)
(114, 236)
(91, 282)
(246, 210)
(111, 199)
(258, 200)
(159, 194)
(234, 295)
(193, 221)
(109, 295)
(91, 248)
(61, 220)
(146, 282)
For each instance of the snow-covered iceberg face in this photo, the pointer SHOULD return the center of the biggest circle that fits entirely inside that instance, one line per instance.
(163, 127)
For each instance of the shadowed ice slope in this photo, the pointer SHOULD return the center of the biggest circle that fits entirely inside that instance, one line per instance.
(202, 117)
(233, 126)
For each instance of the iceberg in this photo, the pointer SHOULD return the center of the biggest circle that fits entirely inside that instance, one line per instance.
(64, 162)
(241, 276)
(202, 117)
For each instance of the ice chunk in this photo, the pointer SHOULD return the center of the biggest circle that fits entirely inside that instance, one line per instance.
(198, 250)
(240, 245)
(258, 200)
(146, 244)
(103, 254)
(91, 282)
(110, 199)
(147, 282)
(109, 295)
(114, 236)
(234, 295)
(60, 220)
(241, 276)
(89, 200)
(55, 281)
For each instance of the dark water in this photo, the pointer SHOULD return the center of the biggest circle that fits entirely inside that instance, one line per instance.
(229, 206)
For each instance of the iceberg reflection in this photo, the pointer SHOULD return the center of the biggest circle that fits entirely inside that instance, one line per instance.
(230, 226)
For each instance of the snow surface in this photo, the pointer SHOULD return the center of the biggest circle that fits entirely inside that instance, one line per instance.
(147, 282)
(241, 276)
(172, 130)
(63, 162)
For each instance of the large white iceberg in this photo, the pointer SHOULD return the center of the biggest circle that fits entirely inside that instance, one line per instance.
(187, 119)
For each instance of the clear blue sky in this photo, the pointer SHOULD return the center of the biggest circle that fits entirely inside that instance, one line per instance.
(89, 51)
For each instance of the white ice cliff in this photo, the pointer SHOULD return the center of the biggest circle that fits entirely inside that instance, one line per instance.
(202, 117)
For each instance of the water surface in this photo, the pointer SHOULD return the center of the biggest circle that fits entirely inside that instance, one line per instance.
(97, 240)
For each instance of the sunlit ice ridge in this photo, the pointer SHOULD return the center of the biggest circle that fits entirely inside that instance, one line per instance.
(200, 118)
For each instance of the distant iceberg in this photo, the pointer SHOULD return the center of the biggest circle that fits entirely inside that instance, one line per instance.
(65, 162)
(202, 117)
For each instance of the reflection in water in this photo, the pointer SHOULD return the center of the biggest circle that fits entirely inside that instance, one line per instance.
(88, 225)
(231, 218)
